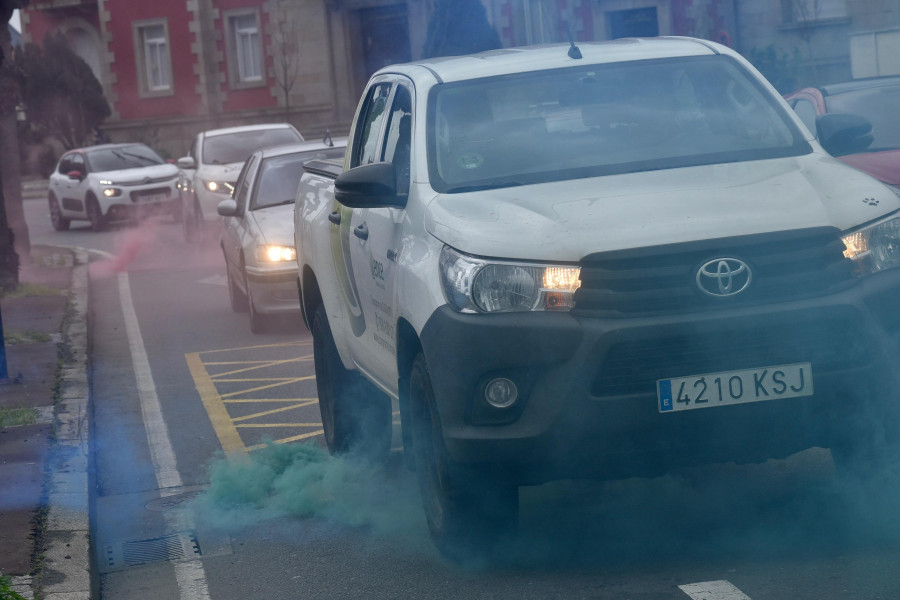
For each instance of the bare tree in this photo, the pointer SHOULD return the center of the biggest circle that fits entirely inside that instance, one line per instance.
(805, 13)
(285, 33)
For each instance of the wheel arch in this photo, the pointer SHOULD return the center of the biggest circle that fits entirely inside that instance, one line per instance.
(310, 295)
(408, 347)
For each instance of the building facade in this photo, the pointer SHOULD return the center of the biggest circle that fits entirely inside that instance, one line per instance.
(171, 68)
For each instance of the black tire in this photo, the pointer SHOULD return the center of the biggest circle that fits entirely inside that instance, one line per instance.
(236, 296)
(356, 416)
(59, 222)
(177, 212)
(259, 322)
(95, 215)
(468, 513)
(189, 223)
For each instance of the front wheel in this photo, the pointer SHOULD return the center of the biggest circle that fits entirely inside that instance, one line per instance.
(356, 416)
(259, 322)
(467, 512)
(95, 214)
(189, 225)
(59, 222)
(236, 296)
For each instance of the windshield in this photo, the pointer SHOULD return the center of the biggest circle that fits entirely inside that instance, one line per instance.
(122, 157)
(236, 147)
(279, 176)
(880, 106)
(599, 120)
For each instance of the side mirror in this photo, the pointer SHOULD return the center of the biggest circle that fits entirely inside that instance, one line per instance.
(75, 174)
(186, 162)
(227, 208)
(369, 186)
(842, 134)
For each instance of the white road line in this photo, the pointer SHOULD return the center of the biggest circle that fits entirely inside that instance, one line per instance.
(189, 575)
(713, 590)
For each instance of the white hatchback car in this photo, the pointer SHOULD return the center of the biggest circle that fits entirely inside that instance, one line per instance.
(258, 239)
(111, 182)
(209, 172)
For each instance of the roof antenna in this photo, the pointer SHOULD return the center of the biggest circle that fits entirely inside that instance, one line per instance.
(574, 52)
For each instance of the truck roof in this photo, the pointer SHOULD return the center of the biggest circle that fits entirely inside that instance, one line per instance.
(555, 56)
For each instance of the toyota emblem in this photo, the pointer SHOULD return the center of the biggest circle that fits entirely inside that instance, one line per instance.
(723, 277)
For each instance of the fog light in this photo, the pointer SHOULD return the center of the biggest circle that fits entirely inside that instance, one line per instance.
(501, 393)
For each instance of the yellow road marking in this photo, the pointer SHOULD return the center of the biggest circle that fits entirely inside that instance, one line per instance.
(245, 362)
(281, 345)
(266, 387)
(248, 379)
(271, 425)
(262, 400)
(271, 412)
(271, 363)
(295, 438)
(212, 402)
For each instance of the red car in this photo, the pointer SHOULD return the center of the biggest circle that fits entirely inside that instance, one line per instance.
(876, 100)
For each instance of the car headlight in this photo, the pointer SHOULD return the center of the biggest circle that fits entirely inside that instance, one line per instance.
(220, 187)
(275, 253)
(112, 192)
(874, 248)
(476, 285)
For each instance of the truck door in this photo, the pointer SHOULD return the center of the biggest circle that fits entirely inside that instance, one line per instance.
(375, 242)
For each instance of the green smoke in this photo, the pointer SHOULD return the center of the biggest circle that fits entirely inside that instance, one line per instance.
(303, 480)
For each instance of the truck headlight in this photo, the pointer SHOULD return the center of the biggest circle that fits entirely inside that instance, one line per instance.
(874, 248)
(275, 253)
(477, 285)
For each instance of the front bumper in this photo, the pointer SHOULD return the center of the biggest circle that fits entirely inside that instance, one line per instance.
(274, 289)
(587, 385)
(140, 201)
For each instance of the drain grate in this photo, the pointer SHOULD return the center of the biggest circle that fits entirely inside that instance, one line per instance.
(138, 552)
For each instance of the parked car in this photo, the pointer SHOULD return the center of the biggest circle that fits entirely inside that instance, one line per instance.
(875, 100)
(211, 168)
(258, 240)
(111, 182)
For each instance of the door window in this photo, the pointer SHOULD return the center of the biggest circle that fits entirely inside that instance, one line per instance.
(397, 137)
(77, 164)
(807, 113)
(242, 188)
(369, 128)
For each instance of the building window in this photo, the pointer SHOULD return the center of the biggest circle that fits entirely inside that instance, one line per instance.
(245, 48)
(154, 63)
(810, 11)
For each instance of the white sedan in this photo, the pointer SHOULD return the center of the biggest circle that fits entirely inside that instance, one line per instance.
(211, 168)
(258, 237)
(111, 182)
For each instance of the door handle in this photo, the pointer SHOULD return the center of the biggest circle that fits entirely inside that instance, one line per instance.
(361, 231)
(335, 217)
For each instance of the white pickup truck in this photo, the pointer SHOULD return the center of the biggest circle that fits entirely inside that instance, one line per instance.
(606, 261)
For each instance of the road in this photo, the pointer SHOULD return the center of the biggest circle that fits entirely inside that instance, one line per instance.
(191, 500)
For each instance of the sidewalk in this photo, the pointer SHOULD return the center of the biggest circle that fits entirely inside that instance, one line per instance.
(44, 531)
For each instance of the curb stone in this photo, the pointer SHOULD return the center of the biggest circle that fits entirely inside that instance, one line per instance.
(66, 571)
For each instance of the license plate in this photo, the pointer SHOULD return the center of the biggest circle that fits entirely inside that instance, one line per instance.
(154, 197)
(735, 387)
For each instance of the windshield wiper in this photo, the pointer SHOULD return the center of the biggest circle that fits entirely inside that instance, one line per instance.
(483, 186)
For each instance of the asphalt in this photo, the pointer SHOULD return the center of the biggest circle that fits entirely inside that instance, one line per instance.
(44, 524)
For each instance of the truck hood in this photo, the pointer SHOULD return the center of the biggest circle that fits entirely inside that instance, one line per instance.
(567, 220)
(275, 224)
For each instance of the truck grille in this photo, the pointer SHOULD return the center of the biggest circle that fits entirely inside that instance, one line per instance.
(662, 279)
(830, 342)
